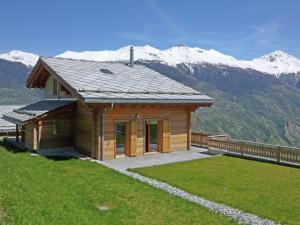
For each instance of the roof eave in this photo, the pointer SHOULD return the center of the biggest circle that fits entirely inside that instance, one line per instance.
(149, 101)
(13, 120)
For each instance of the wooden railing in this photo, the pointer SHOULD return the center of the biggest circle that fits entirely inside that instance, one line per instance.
(246, 148)
(202, 138)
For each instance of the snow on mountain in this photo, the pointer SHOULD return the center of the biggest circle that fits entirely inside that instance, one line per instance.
(275, 63)
(172, 56)
(122, 54)
(26, 58)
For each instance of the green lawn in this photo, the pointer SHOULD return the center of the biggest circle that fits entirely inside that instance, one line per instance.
(36, 190)
(265, 189)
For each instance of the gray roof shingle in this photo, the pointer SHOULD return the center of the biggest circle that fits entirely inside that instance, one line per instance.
(23, 114)
(117, 82)
(6, 126)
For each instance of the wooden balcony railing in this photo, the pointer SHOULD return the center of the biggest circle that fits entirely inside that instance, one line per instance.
(247, 148)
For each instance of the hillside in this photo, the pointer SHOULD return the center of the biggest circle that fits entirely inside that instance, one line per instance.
(257, 100)
(249, 105)
(12, 83)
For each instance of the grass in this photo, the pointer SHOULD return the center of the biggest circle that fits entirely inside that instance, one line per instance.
(265, 189)
(36, 190)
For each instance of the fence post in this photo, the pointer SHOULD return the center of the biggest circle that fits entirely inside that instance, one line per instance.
(208, 144)
(278, 153)
(242, 146)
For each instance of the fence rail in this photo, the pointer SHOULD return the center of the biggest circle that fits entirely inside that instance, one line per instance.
(222, 142)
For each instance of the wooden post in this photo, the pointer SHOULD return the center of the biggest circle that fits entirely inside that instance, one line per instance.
(208, 144)
(98, 136)
(95, 135)
(242, 146)
(102, 136)
(189, 130)
(17, 133)
(38, 134)
(22, 135)
(278, 153)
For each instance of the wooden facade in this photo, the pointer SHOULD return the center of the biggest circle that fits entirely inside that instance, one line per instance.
(42, 133)
(92, 129)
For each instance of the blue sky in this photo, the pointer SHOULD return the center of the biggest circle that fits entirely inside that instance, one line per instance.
(241, 28)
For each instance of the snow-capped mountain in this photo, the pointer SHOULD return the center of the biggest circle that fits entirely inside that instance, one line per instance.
(172, 56)
(26, 58)
(275, 63)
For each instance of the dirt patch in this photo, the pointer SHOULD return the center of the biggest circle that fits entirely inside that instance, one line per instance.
(104, 207)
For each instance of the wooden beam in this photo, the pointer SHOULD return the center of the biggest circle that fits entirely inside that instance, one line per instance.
(189, 130)
(38, 134)
(22, 135)
(102, 136)
(17, 133)
(33, 74)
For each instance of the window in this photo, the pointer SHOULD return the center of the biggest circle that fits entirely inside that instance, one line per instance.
(55, 92)
(120, 137)
(61, 127)
(107, 71)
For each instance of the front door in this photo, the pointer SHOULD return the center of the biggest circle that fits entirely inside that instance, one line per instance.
(151, 135)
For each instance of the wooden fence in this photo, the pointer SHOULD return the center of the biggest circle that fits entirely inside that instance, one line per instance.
(202, 138)
(246, 148)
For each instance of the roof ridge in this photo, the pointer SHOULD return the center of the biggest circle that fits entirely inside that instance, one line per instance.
(123, 62)
(141, 92)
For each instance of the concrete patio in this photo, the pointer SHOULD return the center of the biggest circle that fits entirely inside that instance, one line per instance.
(153, 159)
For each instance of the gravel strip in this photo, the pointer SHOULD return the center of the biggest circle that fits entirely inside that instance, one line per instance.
(236, 214)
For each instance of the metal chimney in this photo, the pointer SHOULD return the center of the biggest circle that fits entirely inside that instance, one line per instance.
(131, 57)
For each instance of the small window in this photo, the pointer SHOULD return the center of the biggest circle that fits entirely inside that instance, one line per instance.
(61, 127)
(107, 71)
(55, 92)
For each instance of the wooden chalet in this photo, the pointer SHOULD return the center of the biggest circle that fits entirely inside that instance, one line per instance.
(106, 109)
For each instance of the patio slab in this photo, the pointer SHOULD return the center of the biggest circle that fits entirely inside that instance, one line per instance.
(153, 159)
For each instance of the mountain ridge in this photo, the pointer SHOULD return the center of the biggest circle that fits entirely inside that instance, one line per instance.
(275, 63)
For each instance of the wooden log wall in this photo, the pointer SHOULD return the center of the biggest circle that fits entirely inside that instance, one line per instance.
(84, 137)
(177, 117)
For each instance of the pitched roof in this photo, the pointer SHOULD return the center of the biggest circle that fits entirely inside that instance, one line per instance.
(117, 82)
(23, 114)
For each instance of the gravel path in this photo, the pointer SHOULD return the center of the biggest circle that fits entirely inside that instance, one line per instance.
(236, 214)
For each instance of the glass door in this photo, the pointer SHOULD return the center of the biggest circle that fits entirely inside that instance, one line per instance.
(120, 138)
(151, 135)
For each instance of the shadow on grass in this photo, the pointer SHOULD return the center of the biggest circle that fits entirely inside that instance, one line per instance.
(11, 147)
(59, 157)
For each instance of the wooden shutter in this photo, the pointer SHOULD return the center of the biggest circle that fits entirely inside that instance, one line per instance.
(160, 135)
(132, 140)
(166, 136)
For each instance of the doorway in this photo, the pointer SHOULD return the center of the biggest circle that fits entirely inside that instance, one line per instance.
(151, 136)
(120, 138)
